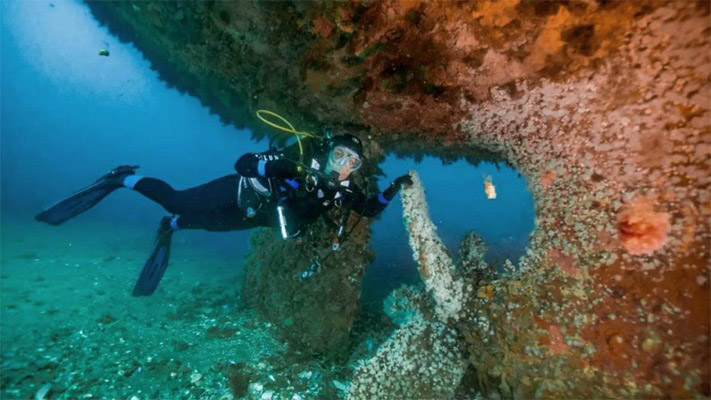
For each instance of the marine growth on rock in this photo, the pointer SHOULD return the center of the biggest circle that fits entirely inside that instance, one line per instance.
(602, 105)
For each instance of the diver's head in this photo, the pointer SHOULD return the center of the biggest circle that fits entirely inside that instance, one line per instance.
(345, 156)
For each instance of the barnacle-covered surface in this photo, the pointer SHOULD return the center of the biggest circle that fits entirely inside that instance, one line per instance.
(602, 105)
(423, 358)
(435, 263)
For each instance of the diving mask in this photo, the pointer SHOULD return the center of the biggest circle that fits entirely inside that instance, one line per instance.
(343, 156)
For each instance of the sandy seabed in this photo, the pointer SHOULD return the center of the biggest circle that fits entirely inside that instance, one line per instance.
(69, 327)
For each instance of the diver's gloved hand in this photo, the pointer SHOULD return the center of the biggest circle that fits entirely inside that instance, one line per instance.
(403, 180)
(395, 187)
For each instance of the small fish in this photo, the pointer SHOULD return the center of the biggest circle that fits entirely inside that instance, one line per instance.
(489, 188)
(104, 52)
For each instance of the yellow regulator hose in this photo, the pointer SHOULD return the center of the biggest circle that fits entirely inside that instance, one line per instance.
(285, 127)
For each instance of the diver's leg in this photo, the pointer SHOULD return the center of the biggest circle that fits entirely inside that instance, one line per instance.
(88, 197)
(234, 220)
(208, 198)
(156, 190)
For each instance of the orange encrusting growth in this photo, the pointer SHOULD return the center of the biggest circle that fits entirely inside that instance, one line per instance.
(642, 230)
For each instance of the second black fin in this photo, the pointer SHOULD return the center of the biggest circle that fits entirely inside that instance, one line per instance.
(157, 263)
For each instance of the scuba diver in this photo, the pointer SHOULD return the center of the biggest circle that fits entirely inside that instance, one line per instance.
(286, 189)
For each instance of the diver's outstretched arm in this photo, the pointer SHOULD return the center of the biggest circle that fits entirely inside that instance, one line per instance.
(275, 163)
(370, 207)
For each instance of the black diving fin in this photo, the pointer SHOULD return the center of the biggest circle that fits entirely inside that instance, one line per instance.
(156, 264)
(86, 198)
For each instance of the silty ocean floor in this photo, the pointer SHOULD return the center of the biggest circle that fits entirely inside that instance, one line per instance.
(69, 323)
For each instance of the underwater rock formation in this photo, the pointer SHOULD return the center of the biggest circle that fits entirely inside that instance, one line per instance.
(472, 266)
(436, 265)
(316, 314)
(404, 304)
(603, 106)
(412, 364)
(421, 360)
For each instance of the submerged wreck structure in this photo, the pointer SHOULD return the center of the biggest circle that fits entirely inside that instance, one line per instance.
(602, 105)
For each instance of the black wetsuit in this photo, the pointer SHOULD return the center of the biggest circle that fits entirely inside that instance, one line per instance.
(211, 206)
(263, 181)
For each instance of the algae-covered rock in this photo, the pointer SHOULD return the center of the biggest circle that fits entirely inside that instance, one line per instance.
(421, 360)
(471, 266)
(603, 106)
(424, 357)
(314, 314)
(404, 304)
(436, 264)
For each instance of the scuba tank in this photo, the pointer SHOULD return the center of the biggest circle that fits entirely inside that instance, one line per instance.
(282, 222)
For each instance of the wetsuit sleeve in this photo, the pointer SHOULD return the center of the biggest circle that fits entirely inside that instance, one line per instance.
(270, 164)
(368, 207)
